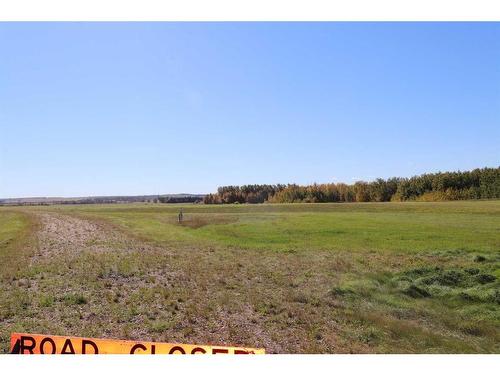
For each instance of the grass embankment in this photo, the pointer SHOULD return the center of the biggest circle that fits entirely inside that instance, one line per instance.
(16, 245)
(16, 229)
(391, 277)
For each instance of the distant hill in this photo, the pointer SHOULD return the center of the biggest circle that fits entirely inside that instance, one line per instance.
(163, 198)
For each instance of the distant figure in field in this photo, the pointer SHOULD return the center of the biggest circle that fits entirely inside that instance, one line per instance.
(180, 216)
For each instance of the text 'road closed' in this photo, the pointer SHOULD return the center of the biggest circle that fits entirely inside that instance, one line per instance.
(26, 343)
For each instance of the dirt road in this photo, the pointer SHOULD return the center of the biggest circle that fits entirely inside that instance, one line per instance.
(64, 234)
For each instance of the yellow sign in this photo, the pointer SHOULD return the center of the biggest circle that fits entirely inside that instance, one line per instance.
(27, 343)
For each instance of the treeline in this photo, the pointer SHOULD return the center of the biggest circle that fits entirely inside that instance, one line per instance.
(244, 194)
(476, 184)
(46, 201)
(187, 199)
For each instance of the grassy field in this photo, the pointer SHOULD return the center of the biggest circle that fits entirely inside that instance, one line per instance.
(388, 277)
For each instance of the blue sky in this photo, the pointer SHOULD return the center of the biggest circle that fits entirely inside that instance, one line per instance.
(148, 108)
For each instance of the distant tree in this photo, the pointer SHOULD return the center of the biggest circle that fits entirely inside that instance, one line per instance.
(478, 183)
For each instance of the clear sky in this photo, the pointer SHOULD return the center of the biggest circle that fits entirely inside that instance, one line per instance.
(148, 108)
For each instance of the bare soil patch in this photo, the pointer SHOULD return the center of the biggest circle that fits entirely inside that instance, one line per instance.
(62, 233)
(196, 222)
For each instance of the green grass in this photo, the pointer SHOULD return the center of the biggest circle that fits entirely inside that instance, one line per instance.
(15, 231)
(376, 277)
(408, 227)
(16, 242)
(12, 225)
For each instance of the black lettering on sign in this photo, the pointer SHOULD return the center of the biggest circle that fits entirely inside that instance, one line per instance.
(52, 344)
(137, 346)
(153, 349)
(16, 349)
(198, 350)
(239, 351)
(216, 350)
(68, 344)
(176, 349)
(24, 347)
(92, 344)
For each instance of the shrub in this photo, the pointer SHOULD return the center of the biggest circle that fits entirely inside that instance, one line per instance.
(74, 299)
(449, 278)
(485, 278)
(416, 292)
(479, 258)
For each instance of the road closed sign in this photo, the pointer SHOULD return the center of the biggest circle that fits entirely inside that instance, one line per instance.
(26, 343)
